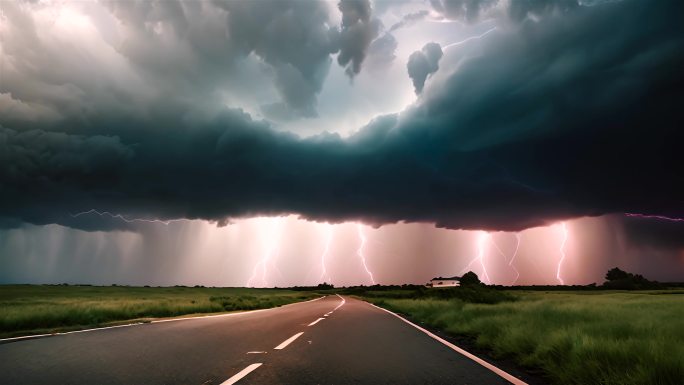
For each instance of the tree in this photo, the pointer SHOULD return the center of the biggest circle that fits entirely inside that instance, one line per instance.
(622, 280)
(470, 278)
(615, 274)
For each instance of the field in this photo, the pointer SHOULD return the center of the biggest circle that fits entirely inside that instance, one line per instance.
(575, 338)
(32, 309)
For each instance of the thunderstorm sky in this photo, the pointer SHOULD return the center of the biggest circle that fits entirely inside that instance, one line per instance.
(279, 143)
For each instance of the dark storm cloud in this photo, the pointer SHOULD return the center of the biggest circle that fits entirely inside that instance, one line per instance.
(472, 11)
(467, 10)
(576, 114)
(292, 36)
(422, 64)
(359, 29)
(197, 47)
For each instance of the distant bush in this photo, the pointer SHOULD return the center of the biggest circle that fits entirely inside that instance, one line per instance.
(470, 294)
(469, 279)
(621, 280)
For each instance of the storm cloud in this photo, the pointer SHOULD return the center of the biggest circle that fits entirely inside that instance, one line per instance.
(575, 114)
(422, 64)
(359, 29)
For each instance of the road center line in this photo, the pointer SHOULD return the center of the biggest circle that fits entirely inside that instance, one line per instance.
(241, 374)
(288, 341)
(341, 303)
(508, 377)
(316, 321)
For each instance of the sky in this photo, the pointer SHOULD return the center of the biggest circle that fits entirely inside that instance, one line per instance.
(280, 143)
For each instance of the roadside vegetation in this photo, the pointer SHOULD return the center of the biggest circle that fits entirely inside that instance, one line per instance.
(35, 309)
(583, 337)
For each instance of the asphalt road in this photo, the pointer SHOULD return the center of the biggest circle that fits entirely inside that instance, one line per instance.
(354, 344)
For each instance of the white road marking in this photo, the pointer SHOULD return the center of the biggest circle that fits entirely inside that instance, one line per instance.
(241, 374)
(33, 336)
(341, 303)
(288, 341)
(257, 352)
(316, 321)
(508, 377)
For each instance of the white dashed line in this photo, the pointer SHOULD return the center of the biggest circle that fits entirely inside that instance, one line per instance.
(316, 321)
(288, 341)
(257, 352)
(342, 303)
(240, 375)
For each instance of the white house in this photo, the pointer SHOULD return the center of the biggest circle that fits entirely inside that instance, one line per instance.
(445, 282)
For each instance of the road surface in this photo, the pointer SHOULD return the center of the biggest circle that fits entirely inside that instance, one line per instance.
(326, 341)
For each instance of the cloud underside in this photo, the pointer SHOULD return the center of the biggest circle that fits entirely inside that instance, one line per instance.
(572, 115)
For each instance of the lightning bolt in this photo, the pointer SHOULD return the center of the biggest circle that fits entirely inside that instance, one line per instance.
(661, 217)
(481, 242)
(480, 36)
(123, 218)
(359, 252)
(518, 238)
(561, 250)
(328, 240)
(515, 253)
(272, 232)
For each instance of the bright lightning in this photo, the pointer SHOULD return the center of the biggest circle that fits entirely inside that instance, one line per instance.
(515, 253)
(328, 240)
(123, 218)
(359, 252)
(482, 239)
(518, 238)
(661, 217)
(480, 36)
(272, 231)
(562, 253)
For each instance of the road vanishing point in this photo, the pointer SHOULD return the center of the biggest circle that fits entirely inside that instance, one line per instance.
(331, 340)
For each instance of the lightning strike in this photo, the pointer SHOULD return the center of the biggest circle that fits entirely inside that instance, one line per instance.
(359, 252)
(480, 36)
(562, 253)
(123, 218)
(515, 253)
(482, 238)
(271, 237)
(328, 240)
(661, 217)
(518, 238)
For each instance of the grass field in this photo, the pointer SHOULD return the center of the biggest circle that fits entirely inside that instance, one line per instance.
(33, 309)
(575, 338)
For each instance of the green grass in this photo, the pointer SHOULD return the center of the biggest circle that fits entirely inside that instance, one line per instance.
(30, 309)
(576, 338)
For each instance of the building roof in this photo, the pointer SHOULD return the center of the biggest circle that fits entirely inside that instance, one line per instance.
(446, 279)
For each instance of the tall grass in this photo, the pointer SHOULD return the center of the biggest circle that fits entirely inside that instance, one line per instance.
(577, 338)
(28, 309)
